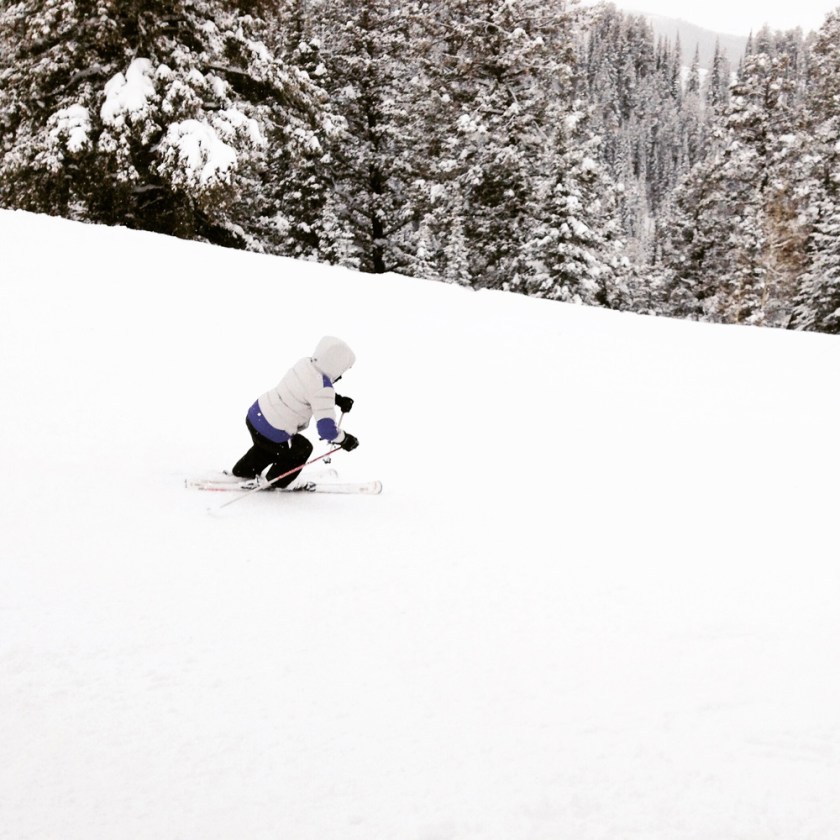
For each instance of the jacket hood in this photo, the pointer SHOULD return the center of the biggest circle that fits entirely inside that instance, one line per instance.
(333, 357)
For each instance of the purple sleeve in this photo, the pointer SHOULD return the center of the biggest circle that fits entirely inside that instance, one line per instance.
(327, 430)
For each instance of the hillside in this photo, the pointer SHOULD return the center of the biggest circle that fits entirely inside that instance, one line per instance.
(597, 597)
(693, 37)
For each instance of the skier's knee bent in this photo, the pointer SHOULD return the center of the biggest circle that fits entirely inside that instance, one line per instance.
(296, 455)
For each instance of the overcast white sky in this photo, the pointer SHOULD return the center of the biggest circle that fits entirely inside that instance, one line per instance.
(738, 17)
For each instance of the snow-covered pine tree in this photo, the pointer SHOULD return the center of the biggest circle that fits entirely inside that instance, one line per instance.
(367, 53)
(736, 213)
(144, 113)
(693, 124)
(716, 89)
(652, 130)
(484, 82)
(456, 259)
(294, 200)
(504, 71)
(663, 118)
(436, 240)
(817, 305)
(574, 252)
(818, 297)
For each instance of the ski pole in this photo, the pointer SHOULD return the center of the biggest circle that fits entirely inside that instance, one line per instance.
(328, 460)
(277, 478)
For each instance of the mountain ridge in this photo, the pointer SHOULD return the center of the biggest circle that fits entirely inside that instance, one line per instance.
(693, 36)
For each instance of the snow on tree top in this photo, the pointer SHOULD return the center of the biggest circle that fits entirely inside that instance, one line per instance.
(128, 93)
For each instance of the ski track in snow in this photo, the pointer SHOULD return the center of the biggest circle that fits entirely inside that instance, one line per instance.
(597, 598)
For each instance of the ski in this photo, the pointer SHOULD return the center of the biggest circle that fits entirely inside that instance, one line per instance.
(224, 480)
(369, 488)
(365, 488)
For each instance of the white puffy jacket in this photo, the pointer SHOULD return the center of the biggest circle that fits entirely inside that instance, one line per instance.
(306, 391)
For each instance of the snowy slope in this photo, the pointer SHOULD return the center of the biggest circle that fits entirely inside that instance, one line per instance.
(597, 598)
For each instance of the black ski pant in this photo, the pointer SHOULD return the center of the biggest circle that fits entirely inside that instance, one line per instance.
(281, 456)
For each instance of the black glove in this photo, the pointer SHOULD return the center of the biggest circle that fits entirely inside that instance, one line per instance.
(344, 403)
(350, 442)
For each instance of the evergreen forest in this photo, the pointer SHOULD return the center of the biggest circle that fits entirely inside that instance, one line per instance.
(536, 147)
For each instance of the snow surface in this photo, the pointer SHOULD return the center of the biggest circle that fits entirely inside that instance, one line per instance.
(598, 597)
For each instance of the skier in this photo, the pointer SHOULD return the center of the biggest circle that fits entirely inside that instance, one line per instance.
(277, 417)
